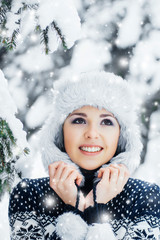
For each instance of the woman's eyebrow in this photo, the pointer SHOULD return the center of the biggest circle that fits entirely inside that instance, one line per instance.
(85, 115)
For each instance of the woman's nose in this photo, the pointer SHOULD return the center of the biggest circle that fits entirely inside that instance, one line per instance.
(91, 132)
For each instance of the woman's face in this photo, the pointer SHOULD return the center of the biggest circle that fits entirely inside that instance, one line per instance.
(91, 136)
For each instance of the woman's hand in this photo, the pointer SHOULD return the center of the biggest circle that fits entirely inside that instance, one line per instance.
(62, 181)
(113, 180)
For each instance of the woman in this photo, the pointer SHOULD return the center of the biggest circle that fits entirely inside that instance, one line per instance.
(91, 145)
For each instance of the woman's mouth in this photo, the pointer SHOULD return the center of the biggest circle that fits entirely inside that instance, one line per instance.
(90, 150)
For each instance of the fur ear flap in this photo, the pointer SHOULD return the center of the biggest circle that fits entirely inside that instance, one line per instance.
(130, 147)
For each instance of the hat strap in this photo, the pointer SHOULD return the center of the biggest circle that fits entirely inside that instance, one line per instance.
(94, 198)
(78, 196)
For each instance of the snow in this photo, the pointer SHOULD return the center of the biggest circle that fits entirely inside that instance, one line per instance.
(54, 40)
(28, 22)
(153, 10)
(90, 55)
(11, 23)
(35, 116)
(150, 170)
(144, 62)
(69, 25)
(130, 27)
(4, 224)
(34, 60)
(7, 112)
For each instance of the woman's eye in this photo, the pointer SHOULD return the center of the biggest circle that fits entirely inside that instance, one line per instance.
(78, 121)
(107, 122)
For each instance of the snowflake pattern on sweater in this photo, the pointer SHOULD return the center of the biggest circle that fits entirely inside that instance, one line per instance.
(133, 214)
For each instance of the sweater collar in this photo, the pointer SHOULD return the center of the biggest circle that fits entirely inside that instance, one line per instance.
(90, 176)
(89, 173)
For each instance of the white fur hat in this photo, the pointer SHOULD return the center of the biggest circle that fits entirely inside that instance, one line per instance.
(101, 90)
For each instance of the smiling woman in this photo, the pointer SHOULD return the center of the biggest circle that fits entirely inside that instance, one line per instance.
(91, 136)
(91, 146)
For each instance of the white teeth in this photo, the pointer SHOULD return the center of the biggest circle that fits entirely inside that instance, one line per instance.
(91, 149)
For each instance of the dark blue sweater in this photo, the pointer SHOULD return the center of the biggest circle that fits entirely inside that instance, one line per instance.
(132, 214)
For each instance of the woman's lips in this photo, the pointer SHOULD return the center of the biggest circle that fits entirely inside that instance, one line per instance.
(90, 145)
(90, 153)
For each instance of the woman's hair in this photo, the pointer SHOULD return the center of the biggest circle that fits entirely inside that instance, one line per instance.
(100, 90)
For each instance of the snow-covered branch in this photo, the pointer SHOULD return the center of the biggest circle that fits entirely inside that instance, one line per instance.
(12, 138)
(56, 21)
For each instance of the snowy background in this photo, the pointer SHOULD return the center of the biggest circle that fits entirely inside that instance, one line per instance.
(118, 36)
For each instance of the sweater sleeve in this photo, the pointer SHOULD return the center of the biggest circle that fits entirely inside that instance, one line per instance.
(141, 221)
(26, 222)
(145, 215)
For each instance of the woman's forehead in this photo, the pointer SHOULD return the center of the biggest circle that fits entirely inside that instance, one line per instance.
(89, 109)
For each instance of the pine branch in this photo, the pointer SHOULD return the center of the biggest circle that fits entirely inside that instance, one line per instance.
(2, 15)
(6, 3)
(7, 158)
(7, 140)
(27, 6)
(60, 34)
(26, 150)
(44, 39)
(11, 42)
(4, 8)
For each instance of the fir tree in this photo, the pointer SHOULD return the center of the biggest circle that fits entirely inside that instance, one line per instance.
(7, 157)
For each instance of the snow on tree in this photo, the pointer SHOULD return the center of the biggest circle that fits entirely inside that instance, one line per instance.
(12, 138)
(56, 21)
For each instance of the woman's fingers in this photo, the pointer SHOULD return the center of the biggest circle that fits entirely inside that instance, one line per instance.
(52, 167)
(56, 170)
(121, 172)
(101, 172)
(62, 181)
(109, 174)
(126, 175)
(66, 171)
(114, 175)
(122, 169)
(104, 174)
(113, 179)
(59, 171)
(74, 176)
(52, 170)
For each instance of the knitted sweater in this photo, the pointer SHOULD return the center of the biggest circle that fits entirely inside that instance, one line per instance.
(37, 212)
